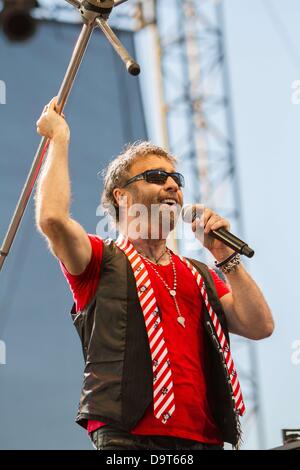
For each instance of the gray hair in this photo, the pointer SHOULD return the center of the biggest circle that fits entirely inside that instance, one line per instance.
(116, 174)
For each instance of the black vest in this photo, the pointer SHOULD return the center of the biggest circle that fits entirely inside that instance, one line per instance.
(117, 386)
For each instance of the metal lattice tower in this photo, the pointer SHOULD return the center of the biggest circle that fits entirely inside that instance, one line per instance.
(200, 132)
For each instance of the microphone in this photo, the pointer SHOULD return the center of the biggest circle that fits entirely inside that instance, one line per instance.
(189, 214)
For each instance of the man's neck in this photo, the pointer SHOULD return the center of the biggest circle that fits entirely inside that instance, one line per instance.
(152, 249)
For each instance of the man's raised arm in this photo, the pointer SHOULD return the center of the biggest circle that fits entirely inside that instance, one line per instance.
(67, 239)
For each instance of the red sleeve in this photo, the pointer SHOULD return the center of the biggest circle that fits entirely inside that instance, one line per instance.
(83, 286)
(221, 286)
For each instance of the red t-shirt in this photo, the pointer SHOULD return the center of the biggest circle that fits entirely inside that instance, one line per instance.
(192, 418)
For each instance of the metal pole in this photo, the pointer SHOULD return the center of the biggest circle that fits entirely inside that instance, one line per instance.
(63, 94)
(132, 67)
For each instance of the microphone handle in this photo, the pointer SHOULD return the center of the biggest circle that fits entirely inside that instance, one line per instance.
(232, 241)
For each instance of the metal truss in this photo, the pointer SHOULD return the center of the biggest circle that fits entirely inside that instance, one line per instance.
(201, 134)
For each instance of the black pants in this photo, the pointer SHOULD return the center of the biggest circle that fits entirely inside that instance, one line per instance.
(110, 438)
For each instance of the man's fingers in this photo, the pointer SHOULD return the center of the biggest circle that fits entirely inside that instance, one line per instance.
(213, 221)
(208, 219)
(221, 223)
(216, 222)
(53, 103)
(52, 106)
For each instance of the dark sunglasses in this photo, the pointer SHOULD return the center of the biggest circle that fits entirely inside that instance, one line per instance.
(157, 177)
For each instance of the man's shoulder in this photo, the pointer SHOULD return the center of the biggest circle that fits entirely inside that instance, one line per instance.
(108, 245)
(97, 239)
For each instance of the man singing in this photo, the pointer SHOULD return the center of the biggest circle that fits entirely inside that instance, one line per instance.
(154, 326)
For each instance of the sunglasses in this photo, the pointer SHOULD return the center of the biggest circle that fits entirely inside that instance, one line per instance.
(157, 177)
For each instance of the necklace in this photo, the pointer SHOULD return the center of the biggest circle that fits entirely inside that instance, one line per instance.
(172, 292)
(156, 260)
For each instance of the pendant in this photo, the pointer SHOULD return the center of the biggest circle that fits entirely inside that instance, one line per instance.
(172, 292)
(181, 321)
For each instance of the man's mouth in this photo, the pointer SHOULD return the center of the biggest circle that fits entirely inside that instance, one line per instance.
(169, 202)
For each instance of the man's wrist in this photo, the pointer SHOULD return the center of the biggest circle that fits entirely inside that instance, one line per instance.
(61, 137)
(230, 264)
(221, 255)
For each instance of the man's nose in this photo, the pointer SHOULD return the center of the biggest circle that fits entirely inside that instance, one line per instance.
(171, 184)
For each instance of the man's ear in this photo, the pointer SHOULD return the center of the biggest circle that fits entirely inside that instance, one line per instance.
(121, 197)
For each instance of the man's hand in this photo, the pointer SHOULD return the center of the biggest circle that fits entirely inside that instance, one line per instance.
(208, 221)
(51, 124)
(245, 307)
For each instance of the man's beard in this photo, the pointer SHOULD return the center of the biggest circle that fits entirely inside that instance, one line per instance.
(149, 218)
(153, 220)
(163, 219)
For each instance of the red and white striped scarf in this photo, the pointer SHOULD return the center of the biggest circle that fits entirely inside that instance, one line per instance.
(163, 393)
(223, 343)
